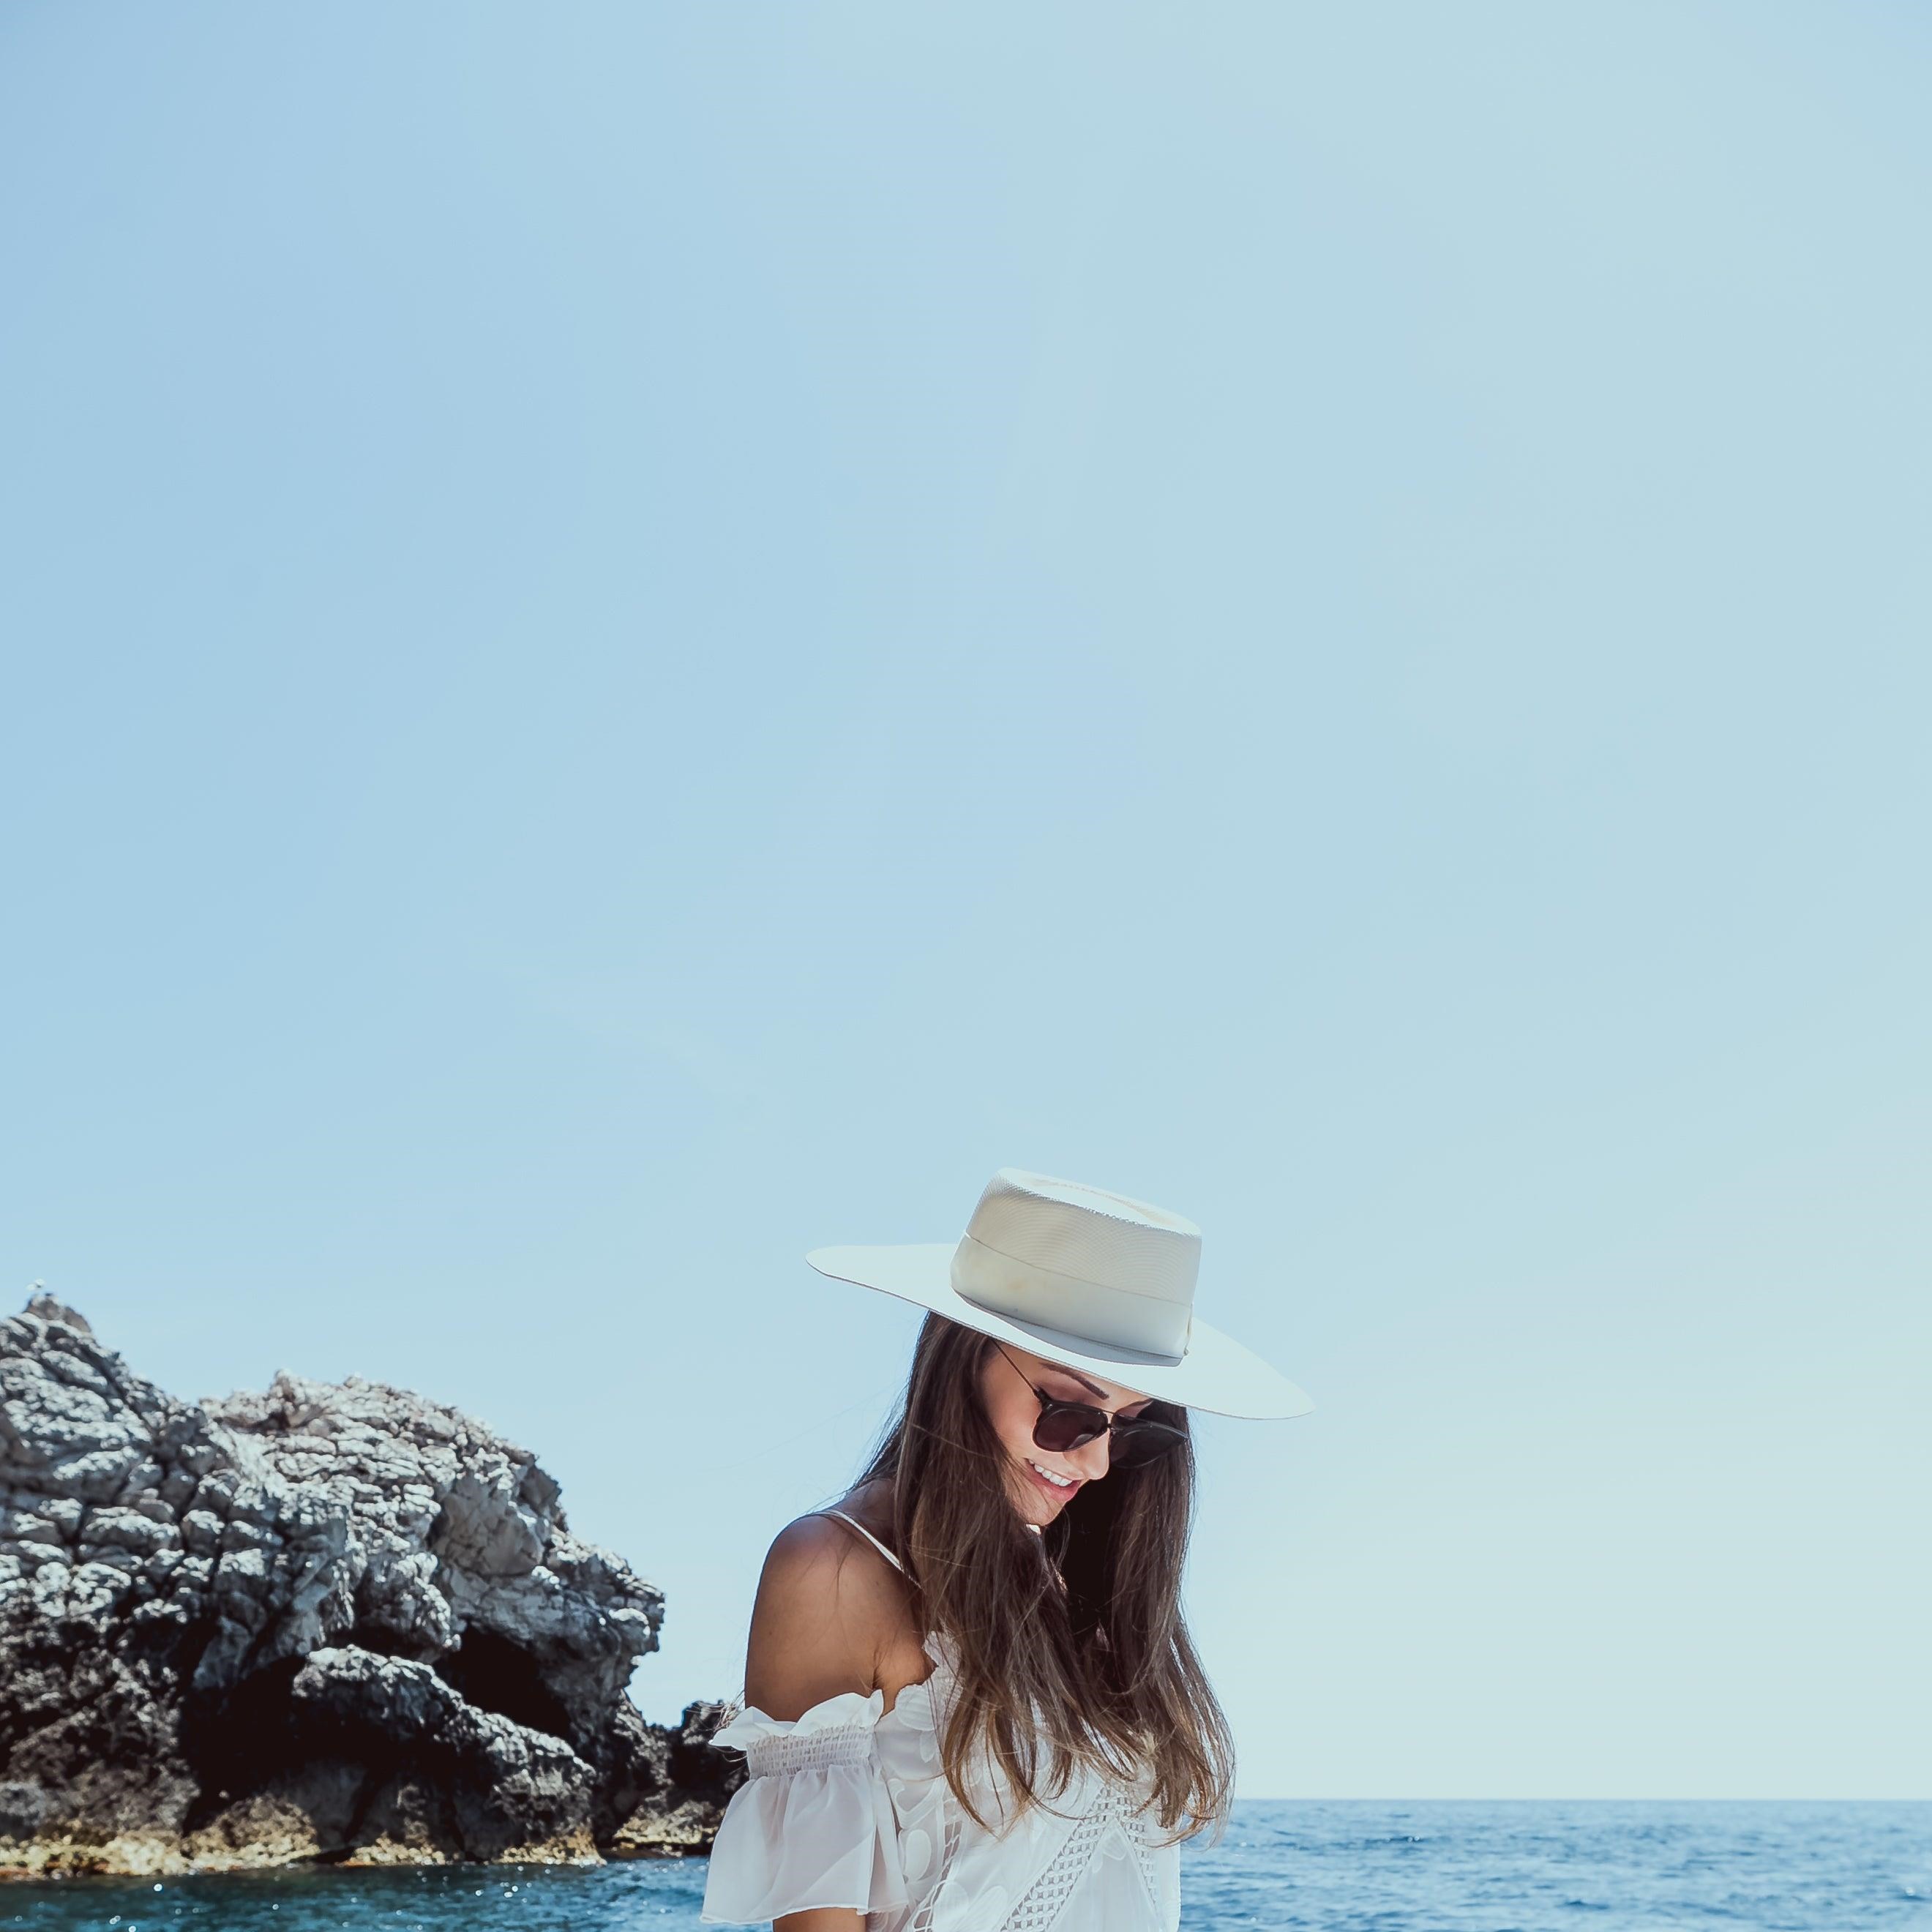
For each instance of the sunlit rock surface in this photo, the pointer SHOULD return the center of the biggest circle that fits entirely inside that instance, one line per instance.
(332, 1622)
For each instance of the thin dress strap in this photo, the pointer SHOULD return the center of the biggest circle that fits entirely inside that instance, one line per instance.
(868, 1535)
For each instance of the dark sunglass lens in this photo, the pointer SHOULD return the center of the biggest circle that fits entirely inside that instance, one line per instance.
(1068, 1427)
(1138, 1442)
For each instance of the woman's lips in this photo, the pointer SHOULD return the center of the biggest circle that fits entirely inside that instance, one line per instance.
(1059, 1493)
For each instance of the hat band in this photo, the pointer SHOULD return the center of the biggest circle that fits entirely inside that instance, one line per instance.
(1117, 1317)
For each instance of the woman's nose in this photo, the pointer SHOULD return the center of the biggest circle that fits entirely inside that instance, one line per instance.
(1090, 1460)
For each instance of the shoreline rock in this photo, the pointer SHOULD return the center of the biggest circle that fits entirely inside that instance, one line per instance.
(329, 1622)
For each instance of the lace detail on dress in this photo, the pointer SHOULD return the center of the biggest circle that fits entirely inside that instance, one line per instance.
(1109, 1830)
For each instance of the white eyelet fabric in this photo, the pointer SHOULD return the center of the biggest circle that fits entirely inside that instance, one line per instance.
(847, 1806)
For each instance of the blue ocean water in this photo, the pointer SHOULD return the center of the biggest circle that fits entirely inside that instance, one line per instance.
(1394, 1867)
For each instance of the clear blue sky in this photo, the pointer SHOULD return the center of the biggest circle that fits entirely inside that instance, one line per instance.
(639, 638)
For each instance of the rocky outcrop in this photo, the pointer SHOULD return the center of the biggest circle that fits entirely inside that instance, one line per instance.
(332, 1622)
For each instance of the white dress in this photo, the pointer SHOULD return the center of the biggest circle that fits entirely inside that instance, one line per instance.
(848, 1805)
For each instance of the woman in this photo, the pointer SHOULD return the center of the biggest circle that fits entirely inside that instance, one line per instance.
(970, 1702)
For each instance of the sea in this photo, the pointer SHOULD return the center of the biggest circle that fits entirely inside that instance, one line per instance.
(1464, 1867)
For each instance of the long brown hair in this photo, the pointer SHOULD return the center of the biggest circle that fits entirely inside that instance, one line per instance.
(1107, 1663)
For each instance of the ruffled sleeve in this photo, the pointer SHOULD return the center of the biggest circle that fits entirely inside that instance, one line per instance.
(813, 1824)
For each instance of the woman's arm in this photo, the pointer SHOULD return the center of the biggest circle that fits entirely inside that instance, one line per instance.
(815, 1632)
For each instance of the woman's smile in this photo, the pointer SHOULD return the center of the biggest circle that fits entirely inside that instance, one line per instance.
(1061, 1490)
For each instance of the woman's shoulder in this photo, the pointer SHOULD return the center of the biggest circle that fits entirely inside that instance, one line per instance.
(810, 1569)
(829, 1607)
(812, 1547)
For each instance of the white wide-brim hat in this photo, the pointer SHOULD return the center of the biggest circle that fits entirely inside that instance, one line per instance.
(1083, 1277)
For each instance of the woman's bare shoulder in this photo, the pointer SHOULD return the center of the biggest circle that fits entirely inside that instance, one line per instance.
(826, 1607)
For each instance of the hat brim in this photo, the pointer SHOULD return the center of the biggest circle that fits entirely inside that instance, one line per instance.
(1217, 1373)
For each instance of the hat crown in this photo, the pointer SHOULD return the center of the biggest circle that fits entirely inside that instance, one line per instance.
(1089, 1233)
(1083, 1259)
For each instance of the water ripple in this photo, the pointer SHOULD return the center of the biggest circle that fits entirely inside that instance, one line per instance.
(1281, 1867)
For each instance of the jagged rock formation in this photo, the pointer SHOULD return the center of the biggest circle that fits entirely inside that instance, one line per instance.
(334, 1622)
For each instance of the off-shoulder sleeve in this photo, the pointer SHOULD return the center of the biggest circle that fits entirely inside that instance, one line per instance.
(813, 1824)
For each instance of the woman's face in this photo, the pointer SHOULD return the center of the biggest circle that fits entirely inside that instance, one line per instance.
(1007, 1379)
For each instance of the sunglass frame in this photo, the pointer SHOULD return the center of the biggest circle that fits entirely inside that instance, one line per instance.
(1137, 1439)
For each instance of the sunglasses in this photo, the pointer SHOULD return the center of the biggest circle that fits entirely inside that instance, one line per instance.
(1063, 1426)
